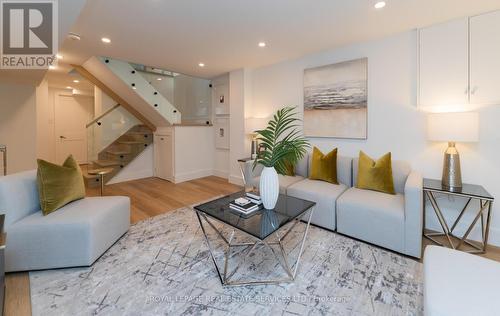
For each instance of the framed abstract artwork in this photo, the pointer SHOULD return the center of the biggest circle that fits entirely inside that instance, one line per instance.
(336, 100)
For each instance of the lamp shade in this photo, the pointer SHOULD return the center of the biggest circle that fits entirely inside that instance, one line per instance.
(453, 127)
(253, 124)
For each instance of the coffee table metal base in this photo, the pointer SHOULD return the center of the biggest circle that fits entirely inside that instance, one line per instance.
(226, 274)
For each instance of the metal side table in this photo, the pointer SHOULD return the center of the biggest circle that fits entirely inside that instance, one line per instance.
(470, 192)
(101, 173)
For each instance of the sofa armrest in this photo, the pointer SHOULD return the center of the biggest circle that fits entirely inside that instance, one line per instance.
(413, 214)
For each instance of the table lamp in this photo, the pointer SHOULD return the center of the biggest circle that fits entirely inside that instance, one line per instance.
(251, 125)
(452, 128)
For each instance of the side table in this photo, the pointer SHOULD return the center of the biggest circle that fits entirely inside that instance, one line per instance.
(470, 192)
(101, 173)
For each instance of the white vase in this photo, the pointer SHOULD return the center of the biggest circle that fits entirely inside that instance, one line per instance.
(269, 187)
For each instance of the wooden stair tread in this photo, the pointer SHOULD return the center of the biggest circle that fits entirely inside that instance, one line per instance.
(107, 163)
(139, 133)
(118, 152)
(131, 142)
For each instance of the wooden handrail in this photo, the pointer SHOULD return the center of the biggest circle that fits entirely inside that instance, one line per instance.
(102, 115)
(90, 77)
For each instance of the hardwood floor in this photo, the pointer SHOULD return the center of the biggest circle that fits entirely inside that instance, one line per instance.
(149, 197)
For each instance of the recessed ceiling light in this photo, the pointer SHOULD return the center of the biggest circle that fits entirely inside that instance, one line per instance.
(262, 44)
(74, 36)
(201, 64)
(76, 81)
(380, 5)
(52, 67)
(59, 56)
(159, 79)
(68, 87)
(106, 40)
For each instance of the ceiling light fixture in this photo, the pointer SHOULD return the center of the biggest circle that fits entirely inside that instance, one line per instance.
(68, 87)
(76, 81)
(380, 5)
(59, 56)
(106, 40)
(52, 67)
(159, 79)
(74, 36)
(201, 64)
(262, 44)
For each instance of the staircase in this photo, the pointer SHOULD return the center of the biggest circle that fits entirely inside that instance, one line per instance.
(115, 139)
(121, 78)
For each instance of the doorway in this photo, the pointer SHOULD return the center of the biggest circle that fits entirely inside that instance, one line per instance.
(71, 114)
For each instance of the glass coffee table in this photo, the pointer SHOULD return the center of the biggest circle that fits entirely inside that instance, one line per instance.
(265, 227)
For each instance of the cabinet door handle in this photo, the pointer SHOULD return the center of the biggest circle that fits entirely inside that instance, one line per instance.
(474, 90)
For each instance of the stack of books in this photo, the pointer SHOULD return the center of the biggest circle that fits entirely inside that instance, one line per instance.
(254, 197)
(244, 206)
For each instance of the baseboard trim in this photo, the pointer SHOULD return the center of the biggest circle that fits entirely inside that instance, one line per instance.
(236, 180)
(187, 176)
(221, 174)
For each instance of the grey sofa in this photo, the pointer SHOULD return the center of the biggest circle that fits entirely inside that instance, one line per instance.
(325, 194)
(391, 221)
(75, 235)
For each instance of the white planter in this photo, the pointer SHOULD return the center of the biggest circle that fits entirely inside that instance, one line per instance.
(269, 187)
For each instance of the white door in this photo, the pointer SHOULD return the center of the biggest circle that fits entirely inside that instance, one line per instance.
(72, 113)
(444, 64)
(164, 162)
(485, 58)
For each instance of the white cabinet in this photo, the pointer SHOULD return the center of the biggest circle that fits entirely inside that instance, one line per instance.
(485, 59)
(164, 157)
(443, 60)
(459, 62)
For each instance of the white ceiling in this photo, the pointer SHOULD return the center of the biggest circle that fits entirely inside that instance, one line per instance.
(68, 13)
(178, 34)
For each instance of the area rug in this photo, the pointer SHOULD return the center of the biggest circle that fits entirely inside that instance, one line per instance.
(162, 267)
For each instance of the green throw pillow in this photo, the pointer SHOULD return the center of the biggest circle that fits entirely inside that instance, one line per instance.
(59, 185)
(324, 167)
(375, 175)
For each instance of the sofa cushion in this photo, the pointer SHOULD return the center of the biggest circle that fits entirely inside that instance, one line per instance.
(18, 196)
(375, 175)
(286, 181)
(59, 185)
(400, 172)
(372, 216)
(324, 167)
(324, 194)
(75, 235)
(458, 283)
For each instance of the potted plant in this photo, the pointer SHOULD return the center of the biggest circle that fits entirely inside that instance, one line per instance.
(283, 147)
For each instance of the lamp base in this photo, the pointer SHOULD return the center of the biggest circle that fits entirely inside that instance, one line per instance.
(254, 148)
(452, 176)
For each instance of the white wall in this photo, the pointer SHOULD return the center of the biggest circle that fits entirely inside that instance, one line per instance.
(44, 123)
(18, 126)
(193, 152)
(394, 122)
(240, 92)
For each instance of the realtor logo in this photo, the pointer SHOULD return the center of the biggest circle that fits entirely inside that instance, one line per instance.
(28, 34)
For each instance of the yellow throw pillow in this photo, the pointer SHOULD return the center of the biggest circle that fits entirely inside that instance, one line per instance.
(59, 185)
(324, 167)
(375, 175)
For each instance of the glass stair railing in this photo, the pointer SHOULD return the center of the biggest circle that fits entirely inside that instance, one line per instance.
(114, 139)
(125, 72)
